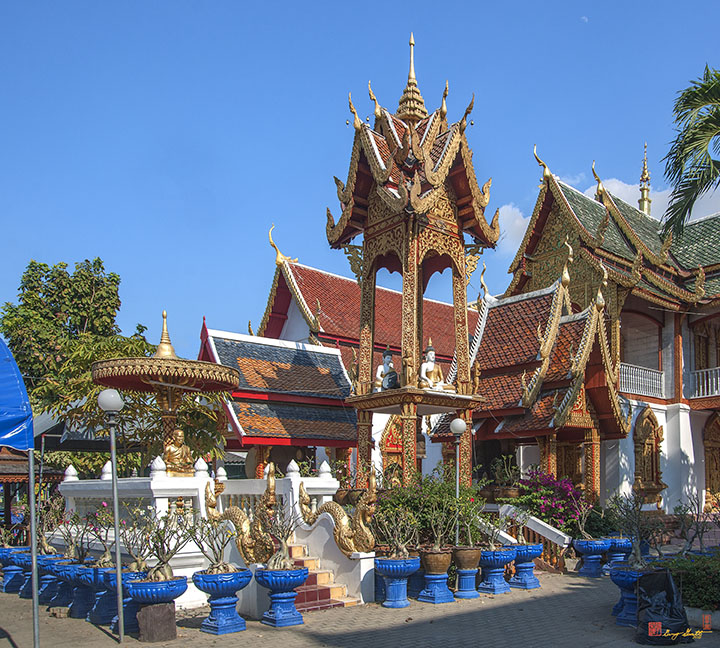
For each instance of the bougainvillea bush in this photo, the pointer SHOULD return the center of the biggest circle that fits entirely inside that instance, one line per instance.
(551, 499)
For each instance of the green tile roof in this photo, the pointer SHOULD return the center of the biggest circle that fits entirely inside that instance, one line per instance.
(700, 243)
(646, 227)
(591, 213)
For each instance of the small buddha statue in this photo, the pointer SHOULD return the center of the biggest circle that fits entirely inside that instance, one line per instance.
(177, 456)
(386, 377)
(431, 375)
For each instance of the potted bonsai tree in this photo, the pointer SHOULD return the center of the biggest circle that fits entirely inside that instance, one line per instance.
(396, 527)
(220, 580)
(590, 548)
(466, 557)
(506, 476)
(438, 509)
(494, 559)
(280, 574)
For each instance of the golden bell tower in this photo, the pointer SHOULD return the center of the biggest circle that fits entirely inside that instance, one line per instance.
(412, 194)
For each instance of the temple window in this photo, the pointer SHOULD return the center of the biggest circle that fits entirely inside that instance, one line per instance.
(648, 436)
(641, 340)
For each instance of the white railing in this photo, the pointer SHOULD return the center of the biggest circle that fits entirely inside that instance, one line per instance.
(641, 380)
(706, 382)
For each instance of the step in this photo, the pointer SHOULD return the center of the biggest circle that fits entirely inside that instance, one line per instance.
(312, 606)
(297, 550)
(310, 593)
(307, 561)
(320, 577)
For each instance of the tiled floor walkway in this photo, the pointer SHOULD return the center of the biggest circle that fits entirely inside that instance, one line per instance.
(568, 612)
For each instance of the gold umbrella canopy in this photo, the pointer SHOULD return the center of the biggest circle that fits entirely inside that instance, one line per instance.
(164, 370)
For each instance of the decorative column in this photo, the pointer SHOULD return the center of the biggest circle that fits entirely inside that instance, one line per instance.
(591, 476)
(364, 448)
(263, 455)
(411, 304)
(367, 333)
(462, 354)
(466, 446)
(548, 453)
(409, 430)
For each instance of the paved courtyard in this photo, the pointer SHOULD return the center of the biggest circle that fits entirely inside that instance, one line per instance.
(569, 611)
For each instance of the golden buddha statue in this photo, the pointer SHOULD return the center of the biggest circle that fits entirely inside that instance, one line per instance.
(177, 456)
(431, 375)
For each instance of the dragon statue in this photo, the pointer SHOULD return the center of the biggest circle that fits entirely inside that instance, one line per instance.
(252, 540)
(352, 533)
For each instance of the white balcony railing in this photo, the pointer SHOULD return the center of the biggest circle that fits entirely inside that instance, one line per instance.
(641, 381)
(706, 382)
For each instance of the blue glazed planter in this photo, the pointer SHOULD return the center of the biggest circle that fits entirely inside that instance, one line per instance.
(282, 584)
(524, 577)
(64, 592)
(130, 607)
(152, 592)
(13, 577)
(626, 578)
(48, 583)
(618, 552)
(466, 584)
(395, 572)
(591, 551)
(221, 588)
(104, 606)
(436, 589)
(83, 597)
(493, 570)
(379, 587)
(24, 560)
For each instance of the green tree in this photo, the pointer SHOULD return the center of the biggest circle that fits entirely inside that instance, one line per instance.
(63, 323)
(689, 166)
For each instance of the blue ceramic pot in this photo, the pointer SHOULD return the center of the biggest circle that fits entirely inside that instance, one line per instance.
(48, 583)
(104, 608)
(64, 591)
(281, 583)
(152, 592)
(591, 551)
(415, 583)
(436, 588)
(24, 560)
(13, 577)
(395, 572)
(618, 552)
(493, 570)
(524, 577)
(221, 588)
(83, 595)
(130, 607)
(626, 578)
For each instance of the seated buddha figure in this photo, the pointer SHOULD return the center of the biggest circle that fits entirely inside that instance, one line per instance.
(385, 376)
(431, 375)
(177, 456)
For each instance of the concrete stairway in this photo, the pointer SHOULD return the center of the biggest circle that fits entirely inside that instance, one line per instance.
(320, 591)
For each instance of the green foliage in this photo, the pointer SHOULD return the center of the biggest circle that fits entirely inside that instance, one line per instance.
(89, 464)
(689, 165)
(504, 470)
(699, 577)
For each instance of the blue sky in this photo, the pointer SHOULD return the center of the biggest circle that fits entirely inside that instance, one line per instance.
(166, 137)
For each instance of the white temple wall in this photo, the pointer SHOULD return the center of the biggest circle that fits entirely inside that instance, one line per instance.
(610, 469)
(682, 462)
(527, 456)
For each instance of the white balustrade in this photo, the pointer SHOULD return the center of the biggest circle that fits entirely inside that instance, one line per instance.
(642, 381)
(706, 382)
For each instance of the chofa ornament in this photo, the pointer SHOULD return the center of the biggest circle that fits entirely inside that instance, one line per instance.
(352, 533)
(253, 542)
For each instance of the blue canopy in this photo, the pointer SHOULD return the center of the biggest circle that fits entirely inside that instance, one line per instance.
(16, 419)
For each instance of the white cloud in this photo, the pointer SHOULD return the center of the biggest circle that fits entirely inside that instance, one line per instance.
(574, 180)
(585, 19)
(512, 229)
(707, 205)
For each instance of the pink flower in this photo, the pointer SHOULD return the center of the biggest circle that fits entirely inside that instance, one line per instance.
(104, 504)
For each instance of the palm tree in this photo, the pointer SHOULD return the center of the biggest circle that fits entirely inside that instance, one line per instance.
(689, 167)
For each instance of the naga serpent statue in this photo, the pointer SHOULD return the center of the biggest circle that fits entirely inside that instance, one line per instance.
(253, 542)
(352, 533)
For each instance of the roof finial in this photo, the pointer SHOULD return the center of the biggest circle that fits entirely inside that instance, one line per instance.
(412, 106)
(600, 188)
(165, 348)
(357, 123)
(483, 285)
(280, 258)
(600, 299)
(644, 202)
(443, 106)
(378, 110)
(546, 171)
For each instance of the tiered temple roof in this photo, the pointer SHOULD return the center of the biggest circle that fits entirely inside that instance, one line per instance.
(289, 393)
(630, 244)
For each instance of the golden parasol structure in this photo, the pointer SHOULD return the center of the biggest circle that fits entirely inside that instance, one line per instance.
(169, 378)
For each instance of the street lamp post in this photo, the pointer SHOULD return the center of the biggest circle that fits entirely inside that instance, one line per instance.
(111, 403)
(457, 427)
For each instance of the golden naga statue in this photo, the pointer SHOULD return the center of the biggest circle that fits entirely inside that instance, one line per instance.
(253, 542)
(177, 456)
(352, 533)
(431, 375)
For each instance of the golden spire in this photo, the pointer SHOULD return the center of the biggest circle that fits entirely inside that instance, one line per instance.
(280, 258)
(412, 106)
(644, 202)
(165, 348)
